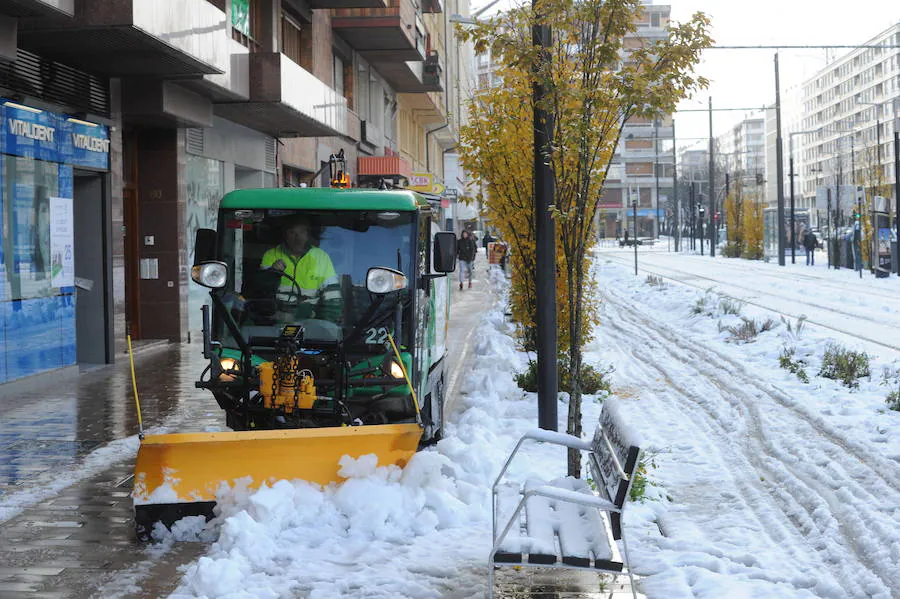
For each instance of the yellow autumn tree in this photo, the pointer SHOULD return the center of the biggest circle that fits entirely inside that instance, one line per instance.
(592, 84)
(752, 230)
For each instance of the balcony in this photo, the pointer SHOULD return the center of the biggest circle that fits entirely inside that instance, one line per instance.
(413, 76)
(287, 101)
(371, 169)
(37, 8)
(319, 4)
(390, 34)
(428, 108)
(232, 85)
(153, 38)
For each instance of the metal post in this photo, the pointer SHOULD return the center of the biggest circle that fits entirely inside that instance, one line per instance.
(897, 183)
(857, 228)
(545, 244)
(779, 158)
(634, 239)
(693, 209)
(700, 219)
(793, 223)
(828, 239)
(676, 208)
(712, 189)
(656, 169)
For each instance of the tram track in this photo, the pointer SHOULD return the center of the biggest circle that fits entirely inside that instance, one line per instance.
(817, 479)
(682, 278)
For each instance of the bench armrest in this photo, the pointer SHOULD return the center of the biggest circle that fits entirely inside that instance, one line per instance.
(543, 436)
(568, 496)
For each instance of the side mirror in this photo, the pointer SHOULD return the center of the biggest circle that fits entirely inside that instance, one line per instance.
(444, 252)
(205, 250)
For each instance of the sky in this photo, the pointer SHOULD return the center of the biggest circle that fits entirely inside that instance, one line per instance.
(746, 78)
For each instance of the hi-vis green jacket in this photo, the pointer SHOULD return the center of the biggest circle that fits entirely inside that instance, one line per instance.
(319, 288)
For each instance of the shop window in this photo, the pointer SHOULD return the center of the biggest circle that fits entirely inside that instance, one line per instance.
(28, 186)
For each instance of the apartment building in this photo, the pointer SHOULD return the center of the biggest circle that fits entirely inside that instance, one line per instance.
(124, 122)
(850, 109)
(644, 163)
(741, 154)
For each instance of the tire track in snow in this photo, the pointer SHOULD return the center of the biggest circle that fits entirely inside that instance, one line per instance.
(815, 500)
(666, 273)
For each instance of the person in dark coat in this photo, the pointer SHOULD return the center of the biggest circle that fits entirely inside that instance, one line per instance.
(809, 244)
(465, 253)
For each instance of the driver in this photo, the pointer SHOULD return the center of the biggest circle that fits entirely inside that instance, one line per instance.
(308, 279)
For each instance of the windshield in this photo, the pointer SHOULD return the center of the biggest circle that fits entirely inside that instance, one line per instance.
(307, 267)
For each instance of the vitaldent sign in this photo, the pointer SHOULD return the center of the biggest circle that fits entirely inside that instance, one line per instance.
(31, 130)
(44, 135)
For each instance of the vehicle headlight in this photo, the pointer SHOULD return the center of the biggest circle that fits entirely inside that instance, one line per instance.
(210, 274)
(396, 370)
(384, 280)
(230, 368)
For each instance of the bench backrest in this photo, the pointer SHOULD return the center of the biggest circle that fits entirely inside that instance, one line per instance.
(615, 452)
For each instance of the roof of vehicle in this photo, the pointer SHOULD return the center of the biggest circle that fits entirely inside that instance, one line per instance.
(323, 198)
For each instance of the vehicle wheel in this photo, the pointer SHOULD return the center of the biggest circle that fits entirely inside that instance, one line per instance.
(434, 415)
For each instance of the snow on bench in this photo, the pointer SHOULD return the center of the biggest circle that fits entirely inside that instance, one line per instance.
(564, 522)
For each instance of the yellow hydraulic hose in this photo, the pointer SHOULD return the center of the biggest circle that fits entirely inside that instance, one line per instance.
(137, 401)
(406, 376)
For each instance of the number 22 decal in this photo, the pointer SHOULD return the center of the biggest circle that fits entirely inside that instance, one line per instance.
(376, 336)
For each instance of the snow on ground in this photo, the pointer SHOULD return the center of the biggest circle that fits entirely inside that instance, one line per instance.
(420, 533)
(762, 485)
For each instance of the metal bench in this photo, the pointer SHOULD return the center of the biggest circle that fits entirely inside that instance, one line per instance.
(565, 523)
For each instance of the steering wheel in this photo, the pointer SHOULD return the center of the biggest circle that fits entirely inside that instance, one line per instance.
(294, 296)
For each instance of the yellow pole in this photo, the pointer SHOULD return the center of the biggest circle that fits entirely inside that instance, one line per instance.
(137, 401)
(406, 376)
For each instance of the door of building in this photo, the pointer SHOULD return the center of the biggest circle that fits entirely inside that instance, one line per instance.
(92, 268)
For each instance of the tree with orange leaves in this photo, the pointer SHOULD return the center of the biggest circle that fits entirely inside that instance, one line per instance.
(593, 84)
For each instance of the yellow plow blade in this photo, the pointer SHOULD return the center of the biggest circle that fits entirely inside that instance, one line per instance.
(177, 475)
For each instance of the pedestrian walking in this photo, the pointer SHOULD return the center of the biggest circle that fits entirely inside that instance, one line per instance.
(809, 243)
(465, 253)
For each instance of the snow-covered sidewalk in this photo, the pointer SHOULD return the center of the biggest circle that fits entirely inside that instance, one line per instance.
(761, 485)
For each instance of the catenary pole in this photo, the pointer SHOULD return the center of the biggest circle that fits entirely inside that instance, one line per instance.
(712, 188)
(779, 158)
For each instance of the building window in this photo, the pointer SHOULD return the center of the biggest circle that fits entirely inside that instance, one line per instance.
(482, 80)
(654, 19)
(245, 23)
(291, 40)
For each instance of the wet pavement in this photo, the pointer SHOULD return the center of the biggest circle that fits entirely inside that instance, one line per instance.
(67, 447)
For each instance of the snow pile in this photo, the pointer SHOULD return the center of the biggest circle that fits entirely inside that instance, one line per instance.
(420, 532)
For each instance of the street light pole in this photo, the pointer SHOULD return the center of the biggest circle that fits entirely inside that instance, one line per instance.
(634, 238)
(897, 173)
(656, 169)
(712, 189)
(545, 239)
(779, 158)
(791, 175)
